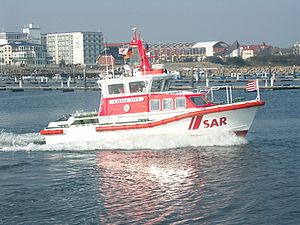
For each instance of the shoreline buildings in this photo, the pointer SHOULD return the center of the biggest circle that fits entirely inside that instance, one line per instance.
(193, 51)
(22, 48)
(30, 47)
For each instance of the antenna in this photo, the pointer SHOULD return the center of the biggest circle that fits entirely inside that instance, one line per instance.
(105, 45)
(134, 33)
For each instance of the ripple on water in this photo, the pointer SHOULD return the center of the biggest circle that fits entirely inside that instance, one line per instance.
(144, 187)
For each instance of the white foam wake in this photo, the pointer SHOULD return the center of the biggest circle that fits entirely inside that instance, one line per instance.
(11, 141)
(35, 142)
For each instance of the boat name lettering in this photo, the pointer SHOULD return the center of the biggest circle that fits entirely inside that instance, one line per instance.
(215, 122)
(126, 100)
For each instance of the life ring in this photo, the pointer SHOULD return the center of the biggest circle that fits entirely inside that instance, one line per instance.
(126, 108)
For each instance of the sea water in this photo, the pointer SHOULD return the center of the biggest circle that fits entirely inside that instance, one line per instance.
(147, 180)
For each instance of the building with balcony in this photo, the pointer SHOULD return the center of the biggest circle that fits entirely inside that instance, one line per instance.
(6, 37)
(30, 33)
(33, 32)
(296, 48)
(22, 53)
(188, 51)
(75, 48)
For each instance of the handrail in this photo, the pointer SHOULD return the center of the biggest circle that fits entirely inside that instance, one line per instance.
(228, 90)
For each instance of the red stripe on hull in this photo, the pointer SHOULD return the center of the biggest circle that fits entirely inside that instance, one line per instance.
(198, 122)
(191, 123)
(51, 132)
(199, 113)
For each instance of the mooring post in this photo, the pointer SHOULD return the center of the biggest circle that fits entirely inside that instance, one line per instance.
(192, 77)
(207, 79)
(84, 78)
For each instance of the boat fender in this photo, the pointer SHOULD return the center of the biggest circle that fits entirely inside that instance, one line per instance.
(126, 108)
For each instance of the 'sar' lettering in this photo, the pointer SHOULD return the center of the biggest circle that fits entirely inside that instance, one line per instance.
(215, 122)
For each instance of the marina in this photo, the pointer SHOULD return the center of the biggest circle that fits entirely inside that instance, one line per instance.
(184, 81)
(189, 75)
(179, 85)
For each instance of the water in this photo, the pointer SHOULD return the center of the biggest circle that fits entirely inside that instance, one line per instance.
(147, 181)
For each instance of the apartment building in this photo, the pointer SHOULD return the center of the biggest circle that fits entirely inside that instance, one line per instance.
(75, 48)
(22, 48)
(22, 53)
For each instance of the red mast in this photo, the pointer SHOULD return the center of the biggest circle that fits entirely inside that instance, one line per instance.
(137, 42)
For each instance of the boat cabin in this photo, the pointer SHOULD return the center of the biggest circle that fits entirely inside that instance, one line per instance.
(147, 90)
(147, 93)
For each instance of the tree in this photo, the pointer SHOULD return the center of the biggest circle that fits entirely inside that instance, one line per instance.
(274, 60)
(214, 59)
(235, 61)
(62, 63)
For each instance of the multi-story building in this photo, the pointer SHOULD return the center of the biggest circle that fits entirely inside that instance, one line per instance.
(30, 33)
(248, 51)
(192, 51)
(6, 37)
(296, 48)
(34, 33)
(22, 48)
(174, 52)
(22, 53)
(75, 47)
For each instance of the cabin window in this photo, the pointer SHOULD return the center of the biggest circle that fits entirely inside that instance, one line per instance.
(167, 84)
(154, 105)
(138, 86)
(180, 103)
(85, 121)
(156, 85)
(167, 104)
(114, 89)
(160, 85)
(64, 118)
(197, 101)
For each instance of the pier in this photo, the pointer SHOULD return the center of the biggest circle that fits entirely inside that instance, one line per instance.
(190, 75)
(274, 88)
(178, 86)
(53, 88)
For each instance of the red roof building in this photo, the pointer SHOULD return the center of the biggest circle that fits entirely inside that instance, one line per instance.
(248, 51)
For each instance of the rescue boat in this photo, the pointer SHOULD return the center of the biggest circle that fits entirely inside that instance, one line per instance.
(142, 101)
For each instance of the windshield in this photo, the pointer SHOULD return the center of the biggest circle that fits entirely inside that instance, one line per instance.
(160, 85)
(198, 101)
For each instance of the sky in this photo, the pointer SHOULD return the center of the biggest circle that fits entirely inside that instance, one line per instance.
(275, 22)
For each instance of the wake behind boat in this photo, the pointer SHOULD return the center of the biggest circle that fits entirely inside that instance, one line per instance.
(141, 101)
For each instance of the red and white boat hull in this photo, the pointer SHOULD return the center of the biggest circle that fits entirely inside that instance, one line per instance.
(236, 118)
